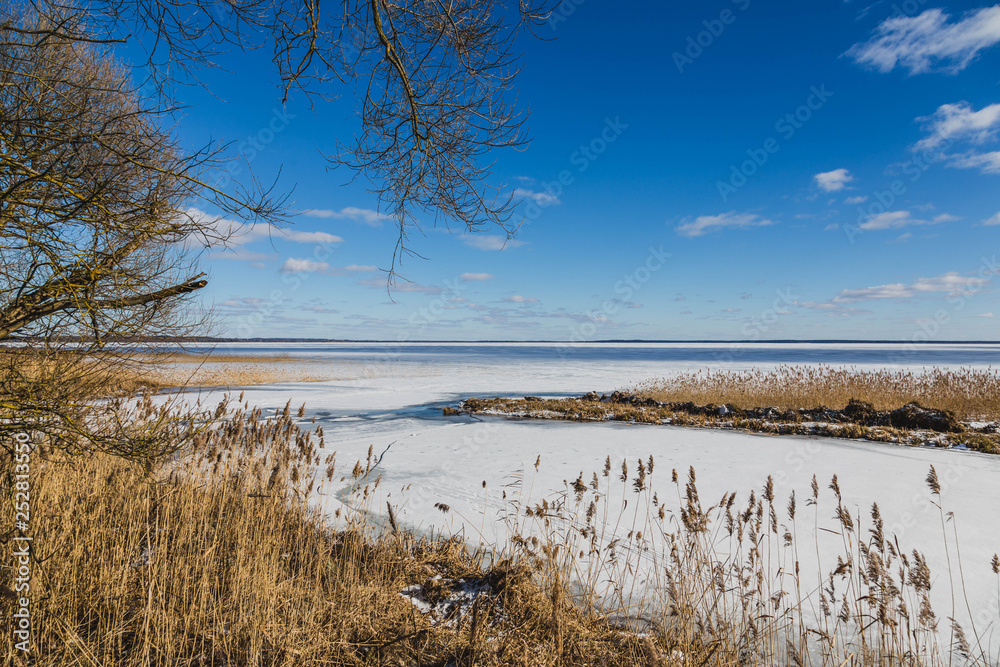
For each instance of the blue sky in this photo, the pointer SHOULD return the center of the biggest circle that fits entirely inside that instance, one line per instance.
(731, 170)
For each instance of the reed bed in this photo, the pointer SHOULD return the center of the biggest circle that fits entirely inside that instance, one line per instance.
(724, 584)
(217, 557)
(232, 373)
(972, 394)
(128, 373)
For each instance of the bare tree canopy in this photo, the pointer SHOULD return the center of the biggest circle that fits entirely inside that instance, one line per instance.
(432, 80)
(93, 235)
(95, 244)
(97, 249)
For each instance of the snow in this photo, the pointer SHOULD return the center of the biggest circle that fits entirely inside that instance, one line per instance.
(390, 397)
(458, 602)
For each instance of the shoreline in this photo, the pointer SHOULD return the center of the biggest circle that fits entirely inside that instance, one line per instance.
(910, 425)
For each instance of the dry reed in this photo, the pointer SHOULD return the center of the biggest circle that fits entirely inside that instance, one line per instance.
(969, 393)
(216, 557)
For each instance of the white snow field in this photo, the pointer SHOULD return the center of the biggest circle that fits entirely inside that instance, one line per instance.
(389, 397)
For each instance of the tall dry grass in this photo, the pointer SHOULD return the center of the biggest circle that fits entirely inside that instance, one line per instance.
(216, 557)
(187, 369)
(969, 393)
(721, 583)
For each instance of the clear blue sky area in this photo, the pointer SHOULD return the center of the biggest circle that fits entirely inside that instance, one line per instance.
(733, 169)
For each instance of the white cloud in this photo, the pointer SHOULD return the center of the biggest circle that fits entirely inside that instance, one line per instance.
(833, 181)
(985, 315)
(929, 41)
(897, 219)
(476, 277)
(830, 308)
(892, 291)
(988, 163)
(705, 223)
(856, 200)
(238, 233)
(994, 220)
(364, 215)
(540, 198)
(949, 283)
(490, 241)
(358, 268)
(293, 265)
(831, 226)
(959, 122)
(308, 237)
(241, 254)
(945, 217)
(517, 298)
(399, 286)
(242, 302)
(224, 232)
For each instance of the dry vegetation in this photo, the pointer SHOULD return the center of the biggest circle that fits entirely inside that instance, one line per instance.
(230, 374)
(215, 558)
(133, 373)
(971, 394)
(177, 369)
(907, 425)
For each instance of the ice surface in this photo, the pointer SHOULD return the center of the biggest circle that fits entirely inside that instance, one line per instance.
(390, 396)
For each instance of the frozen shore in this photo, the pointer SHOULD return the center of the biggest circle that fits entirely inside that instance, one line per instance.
(391, 401)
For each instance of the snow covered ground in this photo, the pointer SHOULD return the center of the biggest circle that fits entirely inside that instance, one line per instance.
(389, 397)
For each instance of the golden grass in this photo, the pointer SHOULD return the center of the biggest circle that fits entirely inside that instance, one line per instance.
(228, 374)
(179, 369)
(969, 393)
(780, 423)
(128, 373)
(215, 558)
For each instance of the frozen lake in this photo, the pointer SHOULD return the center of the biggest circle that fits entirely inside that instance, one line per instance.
(389, 396)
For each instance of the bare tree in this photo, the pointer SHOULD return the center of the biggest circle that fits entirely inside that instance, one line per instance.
(432, 80)
(96, 247)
